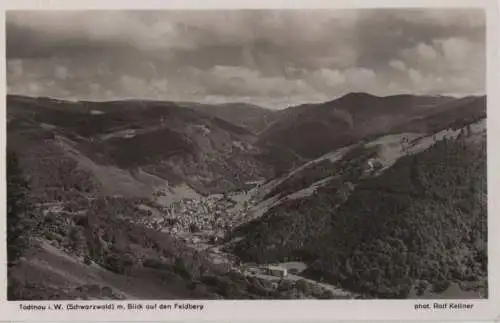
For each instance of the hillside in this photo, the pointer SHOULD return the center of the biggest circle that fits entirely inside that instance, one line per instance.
(314, 129)
(82, 244)
(175, 144)
(419, 216)
(248, 116)
(82, 255)
(93, 169)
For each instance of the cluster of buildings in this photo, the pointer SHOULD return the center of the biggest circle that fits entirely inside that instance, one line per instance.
(269, 270)
(216, 214)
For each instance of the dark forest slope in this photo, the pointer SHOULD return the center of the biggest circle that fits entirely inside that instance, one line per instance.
(248, 116)
(420, 223)
(315, 129)
(177, 144)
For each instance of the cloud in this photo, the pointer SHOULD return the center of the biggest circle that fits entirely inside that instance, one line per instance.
(329, 78)
(415, 77)
(459, 51)
(426, 52)
(61, 72)
(15, 68)
(361, 76)
(287, 56)
(397, 64)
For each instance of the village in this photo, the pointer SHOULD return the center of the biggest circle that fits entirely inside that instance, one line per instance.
(202, 223)
(216, 214)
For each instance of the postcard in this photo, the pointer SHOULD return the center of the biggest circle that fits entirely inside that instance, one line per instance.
(250, 161)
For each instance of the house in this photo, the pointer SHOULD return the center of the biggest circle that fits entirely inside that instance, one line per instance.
(276, 271)
(373, 165)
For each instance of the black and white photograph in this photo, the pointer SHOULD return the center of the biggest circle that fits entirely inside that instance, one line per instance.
(246, 154)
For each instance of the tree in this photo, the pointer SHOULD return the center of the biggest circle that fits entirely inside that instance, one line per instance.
(77, 240)
(193, 227)
(20, 219)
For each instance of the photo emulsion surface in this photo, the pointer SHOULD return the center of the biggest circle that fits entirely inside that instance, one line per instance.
(246, 154)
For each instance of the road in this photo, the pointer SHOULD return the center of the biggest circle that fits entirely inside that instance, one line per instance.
(290, 277)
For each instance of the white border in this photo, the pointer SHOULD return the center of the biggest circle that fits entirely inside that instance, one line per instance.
(292, 310)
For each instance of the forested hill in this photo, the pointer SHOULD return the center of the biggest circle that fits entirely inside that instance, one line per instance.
(419, 225)
(312, 130)
(175, 143)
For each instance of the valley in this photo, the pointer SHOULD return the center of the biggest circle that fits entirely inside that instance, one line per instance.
(159, 200)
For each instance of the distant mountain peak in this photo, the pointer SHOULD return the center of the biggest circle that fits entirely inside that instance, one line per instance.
(358, 95)
(365, 94)
(351, 97)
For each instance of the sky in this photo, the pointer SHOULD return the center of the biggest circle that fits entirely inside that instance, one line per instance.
(272, 58)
